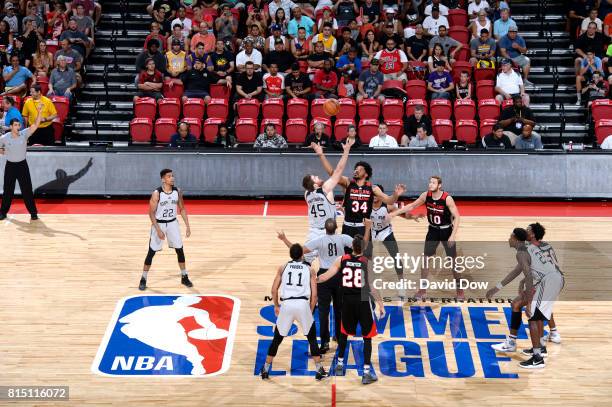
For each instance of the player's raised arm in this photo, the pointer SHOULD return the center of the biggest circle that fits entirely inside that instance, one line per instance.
(152, 209)
(416, 218)
(450, 202)
(415, 204)
(181, 205)
(336, 176)
(313, 289)
(343, 181)
(331, 272)
(389, 200)
(283, 238)
(275, 286)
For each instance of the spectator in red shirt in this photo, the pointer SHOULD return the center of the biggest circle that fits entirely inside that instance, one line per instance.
(155, 34)
(273, 83)
(56, 21)
(150, 81)
(326, 81)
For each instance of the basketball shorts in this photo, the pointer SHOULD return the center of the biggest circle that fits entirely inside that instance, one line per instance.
(355, 311)
(172, 234)
(436, 236)
(294, 310)
(546, 293)
(313, 234)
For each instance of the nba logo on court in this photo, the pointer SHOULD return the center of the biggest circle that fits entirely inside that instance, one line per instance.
(169, 335)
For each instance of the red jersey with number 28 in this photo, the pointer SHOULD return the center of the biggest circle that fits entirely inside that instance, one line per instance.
(354, 271)
(358, 202)
(438, 213)
(390, 61)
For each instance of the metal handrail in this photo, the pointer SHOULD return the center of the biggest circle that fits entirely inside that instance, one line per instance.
(124, 6)
(563, 122)
(94, 118)
(113, 46)
(105, 80)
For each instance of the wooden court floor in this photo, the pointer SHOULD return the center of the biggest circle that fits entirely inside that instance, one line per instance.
(62, 277)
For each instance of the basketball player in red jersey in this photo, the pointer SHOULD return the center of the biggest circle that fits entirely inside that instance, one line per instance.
(443, 217)
(359, 195)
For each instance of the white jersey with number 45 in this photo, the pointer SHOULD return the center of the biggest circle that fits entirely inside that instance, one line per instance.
(319, 208)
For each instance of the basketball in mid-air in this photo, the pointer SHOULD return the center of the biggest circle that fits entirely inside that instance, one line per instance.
(331, 107)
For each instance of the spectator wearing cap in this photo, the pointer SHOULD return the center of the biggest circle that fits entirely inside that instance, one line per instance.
(220, 65)
(514, 47)
(11, 18)
(326, 38)
(345, 10)
(276, 35)
(483, 50)
(476, 7)
(383, 139)
(177, 62)
(62, 81)
(423, 138)
(279, 56)
(273, 83)
(255, 37)
(417, 46)
(514, 117)
(436, 3)
(15, 77)
(182, 135)
(286, 5)
(503, 23)
(270, 138)
(248, 54)
(177, 35)
(183, 20)
(45, 134)
(388, 32)
(298, 21)
(497, 139)
(155, 35)
(150, 81)
(197, 53)
(77, 39)
(196, 82)
(249, 84)
(510, 84)
(205, 36)
(349, 64)
(326, 81)
(414, 121)
(432, 23)
(318, 137)
(393, 62)
(345, 42)
(528, 140)
(439, 82)
(298, 84)
(391, 17)
(446, 42)
(10, 112)
(328, 18)
(226, 25)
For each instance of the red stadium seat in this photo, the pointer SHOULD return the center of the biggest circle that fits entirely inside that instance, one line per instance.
(18, 103)
(247, 108)
(457, 17)
(485, 90)
(369, 109)
(211, 128)
(52, 46)
(460, 33)
(459, 67)
(141, 129)
(395, 128)
(603, 129)
(465, 109)
(217, 108)
(341, 128)
(411, 103)
(442, 130)
(169, 108)
(164, 129)
(485, 74)
(440, 109)
(486, 126)
(348, 109)
(195, 126)
(58, 130)
(416, 70)
(278, 124)
(393, 84)
(393, 109)
(297, 108)
(145, 107)
(416, 89)
(325, 121)
(296, 130)
(466, 130)
(246, 130)
(316, 107)
(463, 54)
(273, 109)
(219, 91)
(176, 91)
(488, 109)
(368, 129)
(44, 84)
(194, 107)
(507, 103)
(601, 109)
(62, 105)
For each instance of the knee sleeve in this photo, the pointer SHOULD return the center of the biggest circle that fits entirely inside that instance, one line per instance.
(312, 341)
(180, 255)
(515, 320)
(276, 341)
(149, 258)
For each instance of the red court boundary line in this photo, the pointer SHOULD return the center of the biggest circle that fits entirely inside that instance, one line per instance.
(245, 207)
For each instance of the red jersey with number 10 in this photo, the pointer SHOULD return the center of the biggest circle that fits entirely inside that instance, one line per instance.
(358, 202)
(354, 271)
(438, 213)
(390, 61)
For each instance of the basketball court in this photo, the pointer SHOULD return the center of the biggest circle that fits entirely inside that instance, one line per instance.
(64, 275)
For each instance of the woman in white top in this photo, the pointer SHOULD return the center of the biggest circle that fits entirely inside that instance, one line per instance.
(481, 22)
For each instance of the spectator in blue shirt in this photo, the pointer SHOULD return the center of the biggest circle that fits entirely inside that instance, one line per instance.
(300, 21)
(528, 140)
(11, 112)
(182, 135)
(15, 77)
(513, 46)
(440, 82)
(350, 64)
(588, 67)
(501, 26)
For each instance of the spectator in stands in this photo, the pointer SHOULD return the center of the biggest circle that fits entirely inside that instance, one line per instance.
(509, 83)
(440, 83)
(349, 64)
(327, 18)
(155, 35)
(370, 83)
(10, 112)
(286, 5)
(164, 18)
(423, 139)
(258, 15)
(501, 25)
(382, 139)
(31, 37)
(345, 10)
(44, 134)
(513, 46)
(483, 50)
(417, 46)
(394, 62)
(42, 60)
(56, 21)
(177, 63)
(592, 41)
(446, 42)
(32, 15)
(196, 82)
(387, 33)
(579, 11)
(607, 143)
(249, 54)
(318, 137)
(592, 18)
(589, 66)
(182, 135)
(515, 117)
(15, 77)
(177, 35)
(183, 20)
(77, 39)
(528, 140)
(75, 60)
(270, 139)
(326, 81)
(432, 23)
(369, 46)
(298, 84)
(351, 134)
(255, 36)
(497, 138)
(345, 42)
(298, 21)
(436, 3)
(249, 83)
(204, 36)
(11, 18)
(327, 39)
(437, 54)
(418, 118)
(220, 65)
(62, 81)
(318, 57)
(371, 9)
(6, 42)
(476, 7)
(279, 56)
(150, 81)
(281, 20)
(273, 83)
(19, 51)
(607, 26)
(224, 137)
(300, 45)
(463, 89)
(92, 8)
(226, 25)
(482, 21)
(85, 25)
(597, 88)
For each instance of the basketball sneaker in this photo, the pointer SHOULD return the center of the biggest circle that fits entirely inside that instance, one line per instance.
(185, 281)
(554, 337)
(321, 374)
(34, 217)
(264, 373)
(533, 363)
(143, 284)
(529, 352)
(509, 345)
(339, 370)
(324, 348)
(369, 376)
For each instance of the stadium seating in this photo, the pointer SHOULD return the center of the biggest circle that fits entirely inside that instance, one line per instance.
(393, 109)
(484, 74)
(316, 108)
(411, 103)
(218, 108)
(145, 107)
(164, 129)
(457, 17)
(486, 126)
(174, 91)
(195, 126)
(368, 128)
(442, 130)
(348, 109)
(601, 109)
(273, 109)
(246, 130)
(296, 130)
(194, 107)
(297, 108)
(466, 131)
(395, 128)
(485, 90)
(368, 109)
(464, 109)
(278, 125)
(459, 33)
(141, 130)
(325, 121)
(210, 128)
(246, 109)
(219, 91)
(603, 129)
(488, 109)
(169, 108)
(341, 128)
(416, 89)
(440, 109)
(62, 105)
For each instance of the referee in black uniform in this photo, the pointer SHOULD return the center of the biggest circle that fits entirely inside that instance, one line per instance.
(13, 145)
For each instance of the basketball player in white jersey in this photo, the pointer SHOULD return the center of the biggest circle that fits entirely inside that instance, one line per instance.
(319, 196)
(297, 282)
(165, 204)
(329, 246)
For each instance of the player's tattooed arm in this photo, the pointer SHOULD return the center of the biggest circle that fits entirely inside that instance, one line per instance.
(152, 209)
(336, 176)
(331, 272)
(450, 202)
(313, 289)
(407, 208)
(181, 204)
(343, 181)
(275, 287)
(518, 270)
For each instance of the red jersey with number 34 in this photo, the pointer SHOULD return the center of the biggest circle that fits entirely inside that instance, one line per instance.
(358, 202)
(438, 213)
(354, 271)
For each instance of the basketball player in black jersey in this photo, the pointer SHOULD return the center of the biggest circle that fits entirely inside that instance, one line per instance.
(443, 217)
(359, 194)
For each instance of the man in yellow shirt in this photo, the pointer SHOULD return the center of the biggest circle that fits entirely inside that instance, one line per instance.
(327, 39)
(176, 60)
(44, 134)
